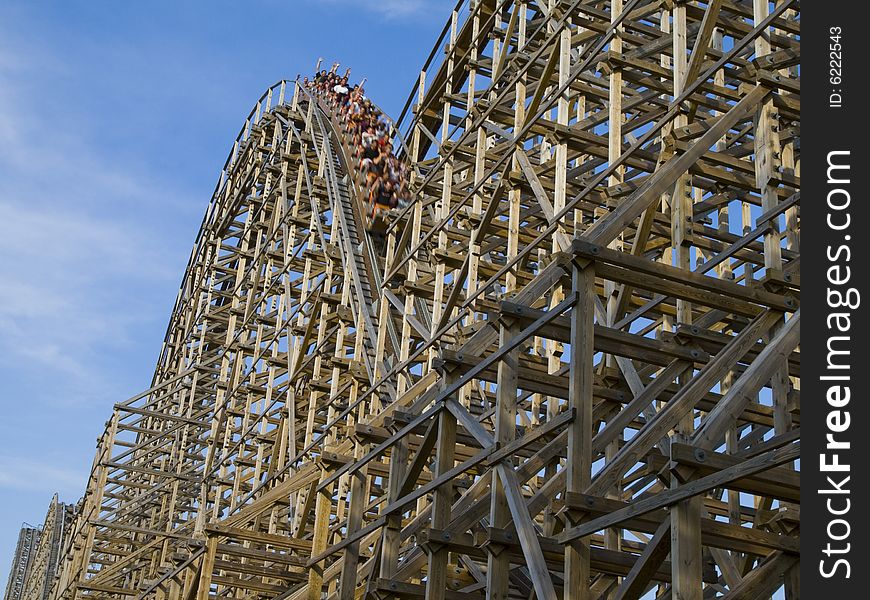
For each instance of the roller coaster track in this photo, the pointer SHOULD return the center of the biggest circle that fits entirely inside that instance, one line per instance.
(569, 367)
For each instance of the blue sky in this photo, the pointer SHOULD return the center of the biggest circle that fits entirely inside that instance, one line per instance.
(115, 119)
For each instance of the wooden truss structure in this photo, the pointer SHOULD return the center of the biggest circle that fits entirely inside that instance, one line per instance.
(22, 560)
(567, 369)
(38, 554)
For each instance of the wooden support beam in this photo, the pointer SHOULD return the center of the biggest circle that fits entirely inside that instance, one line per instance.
(414, 409)
(721, 478)
(637, 581)
(436, 580)
(579, 465)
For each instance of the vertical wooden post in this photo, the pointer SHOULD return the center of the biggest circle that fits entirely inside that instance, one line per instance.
(498, 562)
(446, 187)
(579, 463)
(685, 516)
(206, 568)
(614, 147)
(417, 215)
(393, 527)
(614, 151)
(322, 510)
(354, 522)
(436, 578)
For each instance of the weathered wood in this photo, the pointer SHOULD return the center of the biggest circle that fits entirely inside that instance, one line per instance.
(721, 478)
(579, 461)
(498, 566)
(655, 552)
(595, 189)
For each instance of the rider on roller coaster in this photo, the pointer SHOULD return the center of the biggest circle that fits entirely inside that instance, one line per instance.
(368, 133)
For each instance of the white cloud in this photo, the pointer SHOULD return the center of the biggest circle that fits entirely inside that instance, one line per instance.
(397, 9)
(79, 248)
(45, 476)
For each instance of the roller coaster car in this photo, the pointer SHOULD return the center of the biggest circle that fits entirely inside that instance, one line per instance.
(376, 219)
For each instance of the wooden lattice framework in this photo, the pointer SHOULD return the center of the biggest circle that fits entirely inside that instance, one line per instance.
(568, 369)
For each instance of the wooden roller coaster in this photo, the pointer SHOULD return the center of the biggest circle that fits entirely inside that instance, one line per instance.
(568, 369)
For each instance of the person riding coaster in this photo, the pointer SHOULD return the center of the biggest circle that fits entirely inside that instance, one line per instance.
(370, 143)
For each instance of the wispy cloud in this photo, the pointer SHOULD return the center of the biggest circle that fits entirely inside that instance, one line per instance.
(73, 241)
(396, 9)
(42, 475)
